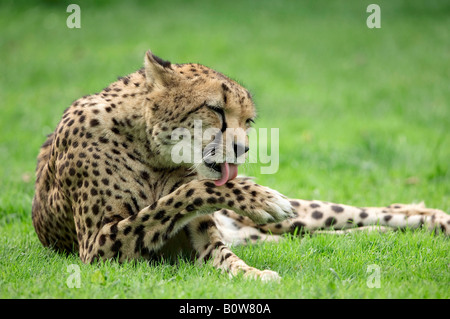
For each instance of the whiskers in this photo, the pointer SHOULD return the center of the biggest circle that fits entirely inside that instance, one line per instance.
(208, 157)
(193, 168)
(212, 155)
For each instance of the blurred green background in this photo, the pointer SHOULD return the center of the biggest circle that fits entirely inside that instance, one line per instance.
(346, 98)
(364, 114)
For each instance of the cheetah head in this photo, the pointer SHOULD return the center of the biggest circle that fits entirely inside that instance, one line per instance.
(197, 118)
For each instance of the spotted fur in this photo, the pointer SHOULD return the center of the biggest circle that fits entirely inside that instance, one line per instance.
(106, 186)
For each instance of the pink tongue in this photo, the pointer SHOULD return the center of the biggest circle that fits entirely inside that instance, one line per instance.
(229, 172)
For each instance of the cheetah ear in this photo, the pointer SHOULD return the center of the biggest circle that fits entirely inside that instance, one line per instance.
(157, 71)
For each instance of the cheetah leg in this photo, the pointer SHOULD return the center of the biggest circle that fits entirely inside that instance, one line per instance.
(239, 230)
(318, 216)
(208, 242)
(374, 228)
(146, 232)
(321, 217)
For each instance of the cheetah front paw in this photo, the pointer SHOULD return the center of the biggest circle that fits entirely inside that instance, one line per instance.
(263, 275)
(263, 205)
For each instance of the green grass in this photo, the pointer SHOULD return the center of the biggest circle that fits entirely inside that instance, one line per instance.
(363, 114)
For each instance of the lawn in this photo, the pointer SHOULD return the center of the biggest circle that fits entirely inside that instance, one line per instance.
(363, 117)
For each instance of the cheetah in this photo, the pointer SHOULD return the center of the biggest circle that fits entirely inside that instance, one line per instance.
(107, 186)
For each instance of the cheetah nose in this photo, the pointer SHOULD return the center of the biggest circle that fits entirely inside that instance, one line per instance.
(240, 149)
